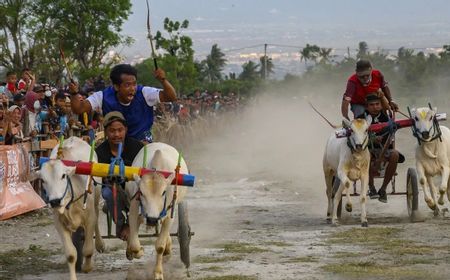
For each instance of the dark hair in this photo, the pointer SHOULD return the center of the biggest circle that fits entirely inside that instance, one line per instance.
(120, 69)
(362, 65)
(9, 73)
(60, 95)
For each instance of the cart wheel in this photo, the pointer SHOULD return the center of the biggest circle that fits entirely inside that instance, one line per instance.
(184, 233)
(78, 242)
(412, 195)
(336, 184)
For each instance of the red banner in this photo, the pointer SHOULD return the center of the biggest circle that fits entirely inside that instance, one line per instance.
(17, 196)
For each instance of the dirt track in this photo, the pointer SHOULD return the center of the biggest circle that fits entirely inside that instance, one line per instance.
(258, 212)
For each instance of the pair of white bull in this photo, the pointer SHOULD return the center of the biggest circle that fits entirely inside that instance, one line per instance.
(348, 160)
(65, 190)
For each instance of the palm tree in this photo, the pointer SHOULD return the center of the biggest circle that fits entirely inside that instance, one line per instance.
(214, 64)
(249, 71)
(324, 54)
(262, 62)
(310, 52)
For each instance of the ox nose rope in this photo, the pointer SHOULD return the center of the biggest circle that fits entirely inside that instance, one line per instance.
(437, 133)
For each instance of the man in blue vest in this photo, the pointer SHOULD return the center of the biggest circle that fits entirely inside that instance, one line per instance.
(134, 101)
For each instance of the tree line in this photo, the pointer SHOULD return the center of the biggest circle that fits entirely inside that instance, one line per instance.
(34, 32)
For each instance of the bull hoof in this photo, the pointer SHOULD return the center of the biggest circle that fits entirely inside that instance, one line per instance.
(129, 255)
(348, 207)
(436, 211)
(134, 254)
(441, 200)
(328, 220)
(86, 267)
(159, 276)
(100, 247)
(365, 224)
(335, 224)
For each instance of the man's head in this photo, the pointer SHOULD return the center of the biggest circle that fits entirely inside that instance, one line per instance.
(115, 127)
(19, 99)
(40, 91)
(123, 78)
(373, 103)
(364, 71)
(60, 100)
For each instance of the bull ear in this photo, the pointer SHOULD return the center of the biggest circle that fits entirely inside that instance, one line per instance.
(137, 178)
(346, 123)
(369, 119)
(413, 111)
(170, 178)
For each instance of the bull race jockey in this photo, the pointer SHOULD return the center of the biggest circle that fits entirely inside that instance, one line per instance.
(115, 133)
(389, 156)
(134, 101)
(366, 80)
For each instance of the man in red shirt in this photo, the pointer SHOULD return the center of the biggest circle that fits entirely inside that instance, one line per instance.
(366, 80)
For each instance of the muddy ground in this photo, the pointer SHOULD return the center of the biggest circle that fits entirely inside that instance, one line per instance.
(258, 212)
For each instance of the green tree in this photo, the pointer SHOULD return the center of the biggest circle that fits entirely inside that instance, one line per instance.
(177, 57)
(214, 64)
(310, 52)
(87, 30)
(13, 40)
(249, 71)
(325, 54)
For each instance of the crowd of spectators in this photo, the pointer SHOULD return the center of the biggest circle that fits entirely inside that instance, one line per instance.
(30, 110)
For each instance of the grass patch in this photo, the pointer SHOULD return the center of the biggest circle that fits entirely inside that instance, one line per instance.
(278, 243)
(213, 268)
(367, 236)
(340, 255)
(43, 223)
(370, 269)
(402, 247)
(210, 259)
(230, 277)
(306, 259)
(33, 260)
(241, 248)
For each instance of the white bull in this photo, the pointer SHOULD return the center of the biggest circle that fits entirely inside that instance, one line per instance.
(65, 191)
(348, 160)
(432, 155)
(155, 195)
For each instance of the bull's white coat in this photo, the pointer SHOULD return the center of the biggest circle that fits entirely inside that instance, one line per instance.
(348, 166)
(163, 157)
(432, 157)
(54, 174)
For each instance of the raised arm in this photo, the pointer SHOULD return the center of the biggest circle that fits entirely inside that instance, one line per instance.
(168, 94)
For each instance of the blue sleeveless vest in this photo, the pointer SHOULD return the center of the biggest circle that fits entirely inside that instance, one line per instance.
(138, 114)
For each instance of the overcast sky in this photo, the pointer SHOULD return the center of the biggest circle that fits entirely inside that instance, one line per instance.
(330, 23)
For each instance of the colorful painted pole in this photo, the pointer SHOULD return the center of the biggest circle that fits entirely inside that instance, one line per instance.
(102, 169)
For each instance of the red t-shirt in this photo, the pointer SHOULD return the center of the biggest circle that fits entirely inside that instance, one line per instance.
(356, 92)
